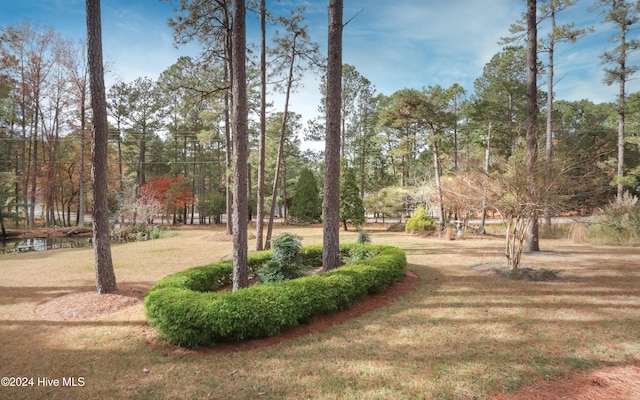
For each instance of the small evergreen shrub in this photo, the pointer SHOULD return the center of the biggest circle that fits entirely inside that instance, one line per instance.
(286, 262)
(273, 272)
(420, 222)
(364, 237)
(362, 250)
(286, 248)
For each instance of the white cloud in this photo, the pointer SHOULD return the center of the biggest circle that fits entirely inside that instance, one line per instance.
(411, 43)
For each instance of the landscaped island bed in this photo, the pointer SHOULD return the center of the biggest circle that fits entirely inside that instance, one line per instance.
(189, 309)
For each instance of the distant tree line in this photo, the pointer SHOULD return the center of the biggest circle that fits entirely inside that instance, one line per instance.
(414, 146)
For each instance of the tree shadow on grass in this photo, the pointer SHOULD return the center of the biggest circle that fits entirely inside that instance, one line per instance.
(489, 333)
(18, 294)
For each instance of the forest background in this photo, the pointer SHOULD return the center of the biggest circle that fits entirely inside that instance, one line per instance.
(170, 147)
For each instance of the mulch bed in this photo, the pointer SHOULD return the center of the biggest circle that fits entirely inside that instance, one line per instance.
(609, 383)
(87, 304)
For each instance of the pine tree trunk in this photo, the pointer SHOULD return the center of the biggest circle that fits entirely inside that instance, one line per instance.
(436, 167)
(105, 275)
(279, 161)
(485, 186)
(83, 122)
(34, 164)
(240, 152)
(228, 75)
(331, 205)
(2, 228)
(621, 111)
(263, 127)
(549, 137)
(620, 170)
(532, 242)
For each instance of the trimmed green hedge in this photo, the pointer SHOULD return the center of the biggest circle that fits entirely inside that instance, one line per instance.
(187, 311)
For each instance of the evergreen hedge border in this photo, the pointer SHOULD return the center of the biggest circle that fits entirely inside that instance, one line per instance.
(188, 311)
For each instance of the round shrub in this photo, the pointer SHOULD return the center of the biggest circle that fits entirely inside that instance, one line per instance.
(420, 222)
(187, 311)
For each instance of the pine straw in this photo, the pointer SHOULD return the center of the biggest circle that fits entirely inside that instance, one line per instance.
(88, 304)
(609, 383)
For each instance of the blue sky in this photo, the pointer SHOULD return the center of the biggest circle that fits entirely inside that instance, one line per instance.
(395, 44)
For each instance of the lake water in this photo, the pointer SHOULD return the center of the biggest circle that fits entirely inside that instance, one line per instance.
(42, 244)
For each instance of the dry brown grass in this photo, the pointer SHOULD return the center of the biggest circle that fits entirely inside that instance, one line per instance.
(459, 335)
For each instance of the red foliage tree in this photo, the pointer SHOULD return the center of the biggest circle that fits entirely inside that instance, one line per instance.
(172, 193)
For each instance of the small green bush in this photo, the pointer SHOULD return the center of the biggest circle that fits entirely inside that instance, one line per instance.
(286, 248)
(420, 222)
(362, 250)
(364, 237)
(155, 233)
(137, 233)
(187, 311)
(286, 262)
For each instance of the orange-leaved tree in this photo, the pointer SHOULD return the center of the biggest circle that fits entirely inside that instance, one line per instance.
(172, 194)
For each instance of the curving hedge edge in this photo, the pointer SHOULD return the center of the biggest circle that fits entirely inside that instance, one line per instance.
(187, 311)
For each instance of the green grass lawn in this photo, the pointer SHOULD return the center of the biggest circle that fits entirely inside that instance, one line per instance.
(459, 335)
